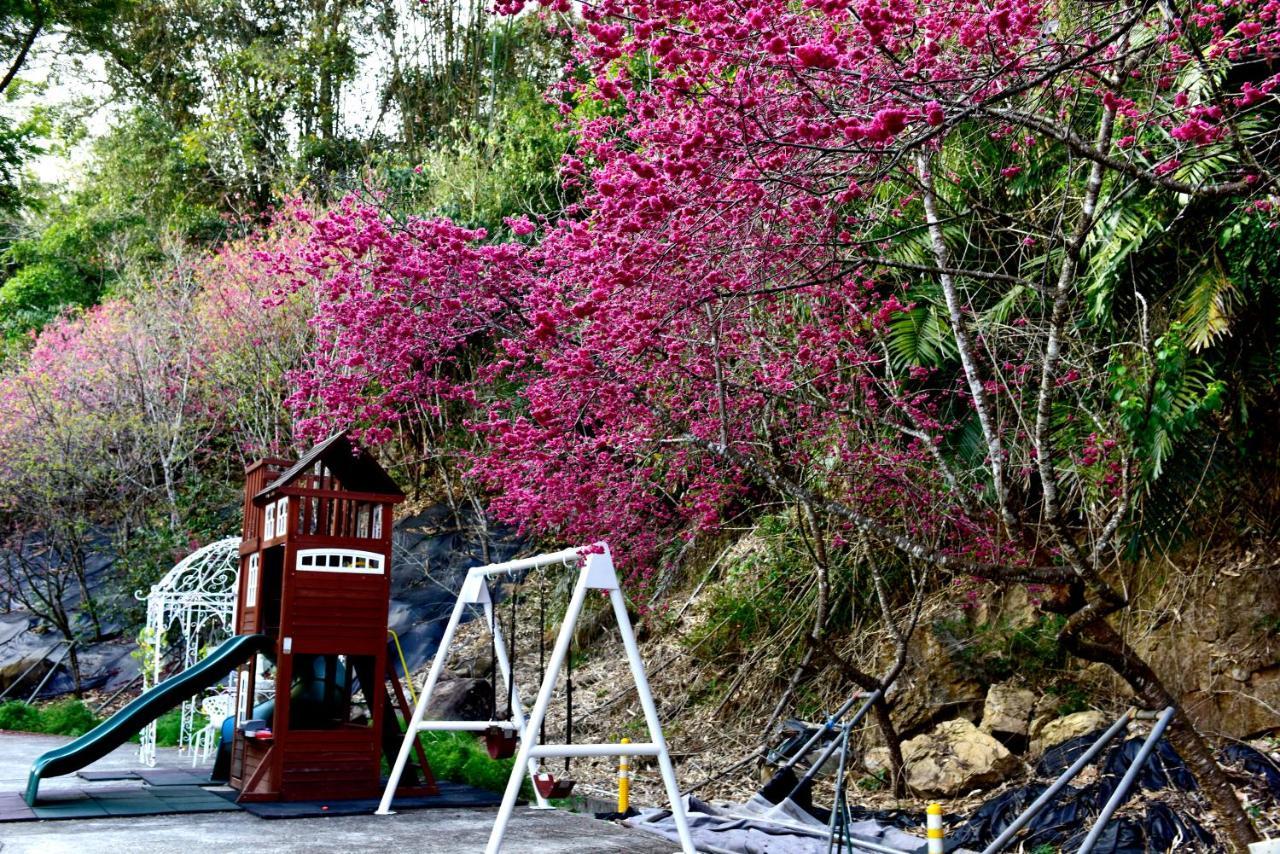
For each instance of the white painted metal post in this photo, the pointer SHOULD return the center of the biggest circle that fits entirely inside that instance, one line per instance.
(517, 708)
(539, 713)
(933, 829)
(651, 718)
(424, 697)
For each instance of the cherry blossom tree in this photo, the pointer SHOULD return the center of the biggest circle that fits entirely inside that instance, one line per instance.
(866, 258)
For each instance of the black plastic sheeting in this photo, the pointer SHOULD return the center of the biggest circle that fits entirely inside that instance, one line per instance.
(1065, 821)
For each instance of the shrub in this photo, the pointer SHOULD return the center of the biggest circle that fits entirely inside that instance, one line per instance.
(19, 716)
(461, 758)
(68, 717)
(169, 727)
(62, 717)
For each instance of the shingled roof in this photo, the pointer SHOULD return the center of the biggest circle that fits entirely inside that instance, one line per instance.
(354, 467)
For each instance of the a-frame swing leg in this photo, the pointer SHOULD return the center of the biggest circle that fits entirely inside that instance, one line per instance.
(596, 574)
(517, 707)
(473, 592)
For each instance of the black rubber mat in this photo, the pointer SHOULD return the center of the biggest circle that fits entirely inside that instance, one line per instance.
(173, 777)
(452, 795)
(101, 803)
(99, 776)
(14, 808)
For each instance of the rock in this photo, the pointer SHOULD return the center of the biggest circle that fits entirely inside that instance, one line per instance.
(472, 666)
(1062, 729)
(461, 699)
(1007, 714)
(1219, 657)
(934, 686)
(954, 759)
(876, 760)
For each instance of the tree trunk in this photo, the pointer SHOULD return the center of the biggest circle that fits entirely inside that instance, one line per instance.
(73, 662)
(1097, 641)
(884, 720)
(897, 766)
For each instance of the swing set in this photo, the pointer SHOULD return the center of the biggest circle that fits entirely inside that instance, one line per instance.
(509, 732)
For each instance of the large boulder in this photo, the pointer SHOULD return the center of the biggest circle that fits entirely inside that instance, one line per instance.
(462, 699)
(1006, 714)
(954, 759)
(935, 686)
(1219, 654)
(1062, 729)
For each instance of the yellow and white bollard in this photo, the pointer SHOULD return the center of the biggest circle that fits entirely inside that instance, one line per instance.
(624, 780)
(933, 828)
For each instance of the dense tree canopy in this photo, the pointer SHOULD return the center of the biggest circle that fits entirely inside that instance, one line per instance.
(987, 287)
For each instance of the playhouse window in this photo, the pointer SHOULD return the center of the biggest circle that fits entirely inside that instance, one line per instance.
(269, 529)
(376, 533)
(282, 516)
(362, 522)
(251, 583)
(340, 560)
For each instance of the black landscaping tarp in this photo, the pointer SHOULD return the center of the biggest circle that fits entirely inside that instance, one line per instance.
(1063, 824)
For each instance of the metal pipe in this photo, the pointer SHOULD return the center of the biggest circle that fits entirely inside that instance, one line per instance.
(49, 674)
(1126, 782)
(97, 710)
(1059, 784)
(828, 726)
(15, 683)
(836, 812)
(516, 707)
(419, 711)
(830, 748)
(535, 562)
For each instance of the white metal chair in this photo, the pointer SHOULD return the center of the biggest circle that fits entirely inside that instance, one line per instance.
(217, 708)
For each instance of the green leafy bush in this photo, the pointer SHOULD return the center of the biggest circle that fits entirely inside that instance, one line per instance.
(18, 716)
(61, 717)
(461, 758)
(68, 717)
(994, 652)
(169, 727)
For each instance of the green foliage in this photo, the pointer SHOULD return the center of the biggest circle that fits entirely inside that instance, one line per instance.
(875, 782)
(754, 598)
(461, 758)
(18, 716)
(68, 717)
(58, 267)
(488, 172)
(61, 717)
(1161, 396)
(169, 727)
(994, 652)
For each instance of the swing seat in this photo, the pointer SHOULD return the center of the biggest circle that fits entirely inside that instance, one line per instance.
(549, 787)
(500, 742)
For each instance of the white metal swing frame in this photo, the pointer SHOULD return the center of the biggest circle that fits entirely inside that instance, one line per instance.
(595, 572)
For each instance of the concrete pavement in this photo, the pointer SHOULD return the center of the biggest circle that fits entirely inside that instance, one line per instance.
(446, 831)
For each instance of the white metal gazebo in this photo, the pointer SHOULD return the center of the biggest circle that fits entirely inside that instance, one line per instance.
(199, 596)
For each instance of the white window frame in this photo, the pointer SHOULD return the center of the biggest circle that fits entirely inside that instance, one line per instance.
(282, 516)
(269, 527)
(362, 521)
(251, 583)
(345, 561)
(375, 523)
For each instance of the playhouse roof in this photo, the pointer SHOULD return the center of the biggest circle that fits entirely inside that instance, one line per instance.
(354, 467)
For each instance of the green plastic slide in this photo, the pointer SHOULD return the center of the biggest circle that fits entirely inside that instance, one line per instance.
(121, 726)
